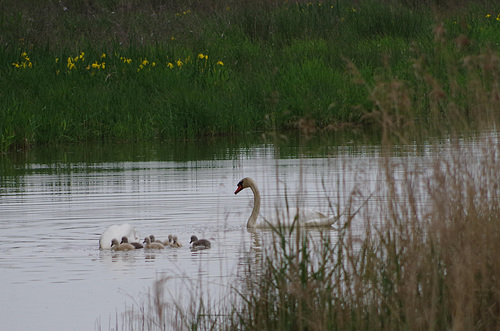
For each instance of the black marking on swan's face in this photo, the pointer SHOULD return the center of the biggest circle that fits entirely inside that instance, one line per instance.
(241, 186)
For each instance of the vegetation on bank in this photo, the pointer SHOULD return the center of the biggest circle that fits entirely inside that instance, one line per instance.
(141, 70)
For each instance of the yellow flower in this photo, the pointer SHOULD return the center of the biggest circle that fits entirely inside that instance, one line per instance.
(23, 54)
(95, 65)
(220, 63)
(179, 63)
(103, 65)
(103, 56)
(488, 15)
(145, 62)
(201, 56)
(153, 64)
(57, 60)
(170, 65)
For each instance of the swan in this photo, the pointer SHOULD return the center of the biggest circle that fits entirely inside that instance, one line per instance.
(199, 243)
(305, 218)
(135, 244)
(115, 246)
(169, 242)
(153, 239)
(116, 231)
(176, 243)
(152, 245)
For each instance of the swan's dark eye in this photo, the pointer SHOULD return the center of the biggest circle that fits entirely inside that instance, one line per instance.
(240, 183)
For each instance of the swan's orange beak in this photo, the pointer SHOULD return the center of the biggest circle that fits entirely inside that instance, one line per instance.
(240, 187)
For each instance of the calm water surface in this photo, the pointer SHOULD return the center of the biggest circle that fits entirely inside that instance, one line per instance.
(54, 203)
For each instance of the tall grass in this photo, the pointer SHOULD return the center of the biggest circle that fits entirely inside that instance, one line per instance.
(269, 64)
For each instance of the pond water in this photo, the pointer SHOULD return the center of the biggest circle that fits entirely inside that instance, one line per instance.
(55, 202)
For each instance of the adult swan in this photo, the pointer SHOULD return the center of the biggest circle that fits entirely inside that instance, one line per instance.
(305, 218)
(116, 232)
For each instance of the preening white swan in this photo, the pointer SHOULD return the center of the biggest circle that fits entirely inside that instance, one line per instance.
(115, 232)
(305, 218)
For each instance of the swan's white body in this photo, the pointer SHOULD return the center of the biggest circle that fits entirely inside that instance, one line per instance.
(116, 232)
(304, 217)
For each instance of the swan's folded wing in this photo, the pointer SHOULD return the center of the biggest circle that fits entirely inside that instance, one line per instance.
(116, 232)
(315, 218)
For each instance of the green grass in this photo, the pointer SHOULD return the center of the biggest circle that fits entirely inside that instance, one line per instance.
(270, 65)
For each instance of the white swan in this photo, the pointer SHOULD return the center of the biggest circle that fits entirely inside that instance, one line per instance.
(305, 218)
(116, 231)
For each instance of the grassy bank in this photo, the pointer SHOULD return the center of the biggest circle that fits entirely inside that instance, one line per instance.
(130, 70)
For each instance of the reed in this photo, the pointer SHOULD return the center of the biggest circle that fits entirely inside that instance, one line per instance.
(128, 70)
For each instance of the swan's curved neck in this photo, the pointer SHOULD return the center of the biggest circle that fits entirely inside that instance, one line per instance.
(252, 220)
